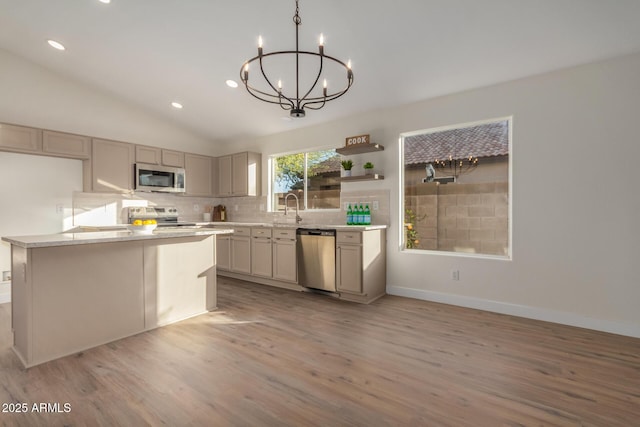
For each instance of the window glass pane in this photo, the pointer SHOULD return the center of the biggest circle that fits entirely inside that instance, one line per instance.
(322, 185)
(323, 180)
(288, 173)
(456, 189)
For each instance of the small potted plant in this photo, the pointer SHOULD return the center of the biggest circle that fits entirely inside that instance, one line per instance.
(347, 165)
(368, 168)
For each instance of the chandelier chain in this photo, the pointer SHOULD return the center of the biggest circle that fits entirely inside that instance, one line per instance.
(296, 18)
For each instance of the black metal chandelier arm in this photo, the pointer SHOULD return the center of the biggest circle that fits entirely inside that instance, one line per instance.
(315, 82)
(267, 97)
(278, 91)
(322, 100)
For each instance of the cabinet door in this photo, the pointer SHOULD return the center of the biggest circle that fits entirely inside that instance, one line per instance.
(224, 175)
(20, 138)
(66, 144)
(223, 252)
(239, 170)
(285, 265)
(112, 166)
(349, 269)
(173, 158)
(198, 175)
(241, 254)
(261, 258)
(150, 155)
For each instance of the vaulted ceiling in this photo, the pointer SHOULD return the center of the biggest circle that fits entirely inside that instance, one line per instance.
(153, 52)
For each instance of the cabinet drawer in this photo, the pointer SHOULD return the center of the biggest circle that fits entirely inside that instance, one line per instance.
(242, 231)
(260, 232)
(284, 233)
(354, 237)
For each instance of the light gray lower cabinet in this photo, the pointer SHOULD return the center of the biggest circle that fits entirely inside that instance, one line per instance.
(241, 250)
(285, 262)
(361, 265)
(223, 252)
(261, 255)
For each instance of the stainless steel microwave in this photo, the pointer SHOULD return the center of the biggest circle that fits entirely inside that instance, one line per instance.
(159, 178)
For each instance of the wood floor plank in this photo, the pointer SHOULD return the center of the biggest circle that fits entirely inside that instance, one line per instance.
(273, 357)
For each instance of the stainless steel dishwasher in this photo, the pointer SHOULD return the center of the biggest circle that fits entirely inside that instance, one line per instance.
(317, 258)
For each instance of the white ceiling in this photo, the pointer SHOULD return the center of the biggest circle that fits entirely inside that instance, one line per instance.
(152, 52)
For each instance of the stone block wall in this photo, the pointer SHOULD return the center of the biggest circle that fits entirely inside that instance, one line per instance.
(471, 218)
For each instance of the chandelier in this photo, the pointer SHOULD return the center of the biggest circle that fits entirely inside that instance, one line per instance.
(304, 97)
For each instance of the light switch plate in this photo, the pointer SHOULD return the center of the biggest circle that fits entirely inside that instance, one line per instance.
(376, 205)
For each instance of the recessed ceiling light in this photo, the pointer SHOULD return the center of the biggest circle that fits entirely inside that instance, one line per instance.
(232, 83)
(55, 44)
(105, 1)
(177, 105)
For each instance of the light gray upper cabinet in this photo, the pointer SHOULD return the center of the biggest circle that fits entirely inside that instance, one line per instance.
(173, 158)
(198, 180)
(111, 166)
(149, 155)
(66, 145)
(158, 156)
(238, 174)
(20, 138)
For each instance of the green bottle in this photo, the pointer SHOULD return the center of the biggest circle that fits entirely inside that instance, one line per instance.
(360, 215)
(367, 215)
(349, 215)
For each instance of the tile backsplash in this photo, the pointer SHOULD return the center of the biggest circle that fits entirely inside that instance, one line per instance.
(100, 209)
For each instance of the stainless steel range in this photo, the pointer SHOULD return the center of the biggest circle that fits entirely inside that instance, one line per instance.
(166, 216)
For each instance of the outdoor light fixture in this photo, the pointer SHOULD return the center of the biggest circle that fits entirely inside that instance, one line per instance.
(311, 96)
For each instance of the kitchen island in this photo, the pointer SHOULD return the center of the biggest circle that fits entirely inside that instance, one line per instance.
(75, 291)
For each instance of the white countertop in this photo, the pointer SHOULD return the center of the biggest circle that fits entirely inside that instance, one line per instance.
(116, 234)
(339, 227)
(65, 239)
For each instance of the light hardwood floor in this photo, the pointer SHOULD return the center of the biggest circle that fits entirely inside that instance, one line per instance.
(272, 357)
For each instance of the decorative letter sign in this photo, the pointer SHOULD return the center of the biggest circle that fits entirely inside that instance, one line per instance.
(352, 141)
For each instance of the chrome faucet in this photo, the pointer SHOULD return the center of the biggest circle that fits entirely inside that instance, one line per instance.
(298, 219)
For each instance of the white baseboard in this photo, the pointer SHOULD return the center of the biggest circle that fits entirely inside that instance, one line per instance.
(561, 317)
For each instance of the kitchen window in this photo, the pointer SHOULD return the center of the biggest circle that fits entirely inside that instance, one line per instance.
(456, 192)
(313, 176)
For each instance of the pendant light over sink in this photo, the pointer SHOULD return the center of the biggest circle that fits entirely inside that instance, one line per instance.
(305, 93)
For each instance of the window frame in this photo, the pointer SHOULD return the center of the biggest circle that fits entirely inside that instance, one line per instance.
(401, 193)
(303, 203)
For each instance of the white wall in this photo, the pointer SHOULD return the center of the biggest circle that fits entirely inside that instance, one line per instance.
(576, 236)
(35, 198)
(34, 96)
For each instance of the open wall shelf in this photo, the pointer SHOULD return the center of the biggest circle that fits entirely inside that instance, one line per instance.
(359, 149)
(372, 177)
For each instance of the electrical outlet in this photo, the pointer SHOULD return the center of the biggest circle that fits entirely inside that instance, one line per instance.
(455, 275)
(235, 208)
(59, 208)
(376, 205)
(196, 207)
(262, 206)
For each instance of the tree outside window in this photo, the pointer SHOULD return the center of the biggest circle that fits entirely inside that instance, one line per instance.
(314, 177)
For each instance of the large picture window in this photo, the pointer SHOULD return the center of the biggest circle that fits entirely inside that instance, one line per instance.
(314, 177)
(456, 191)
